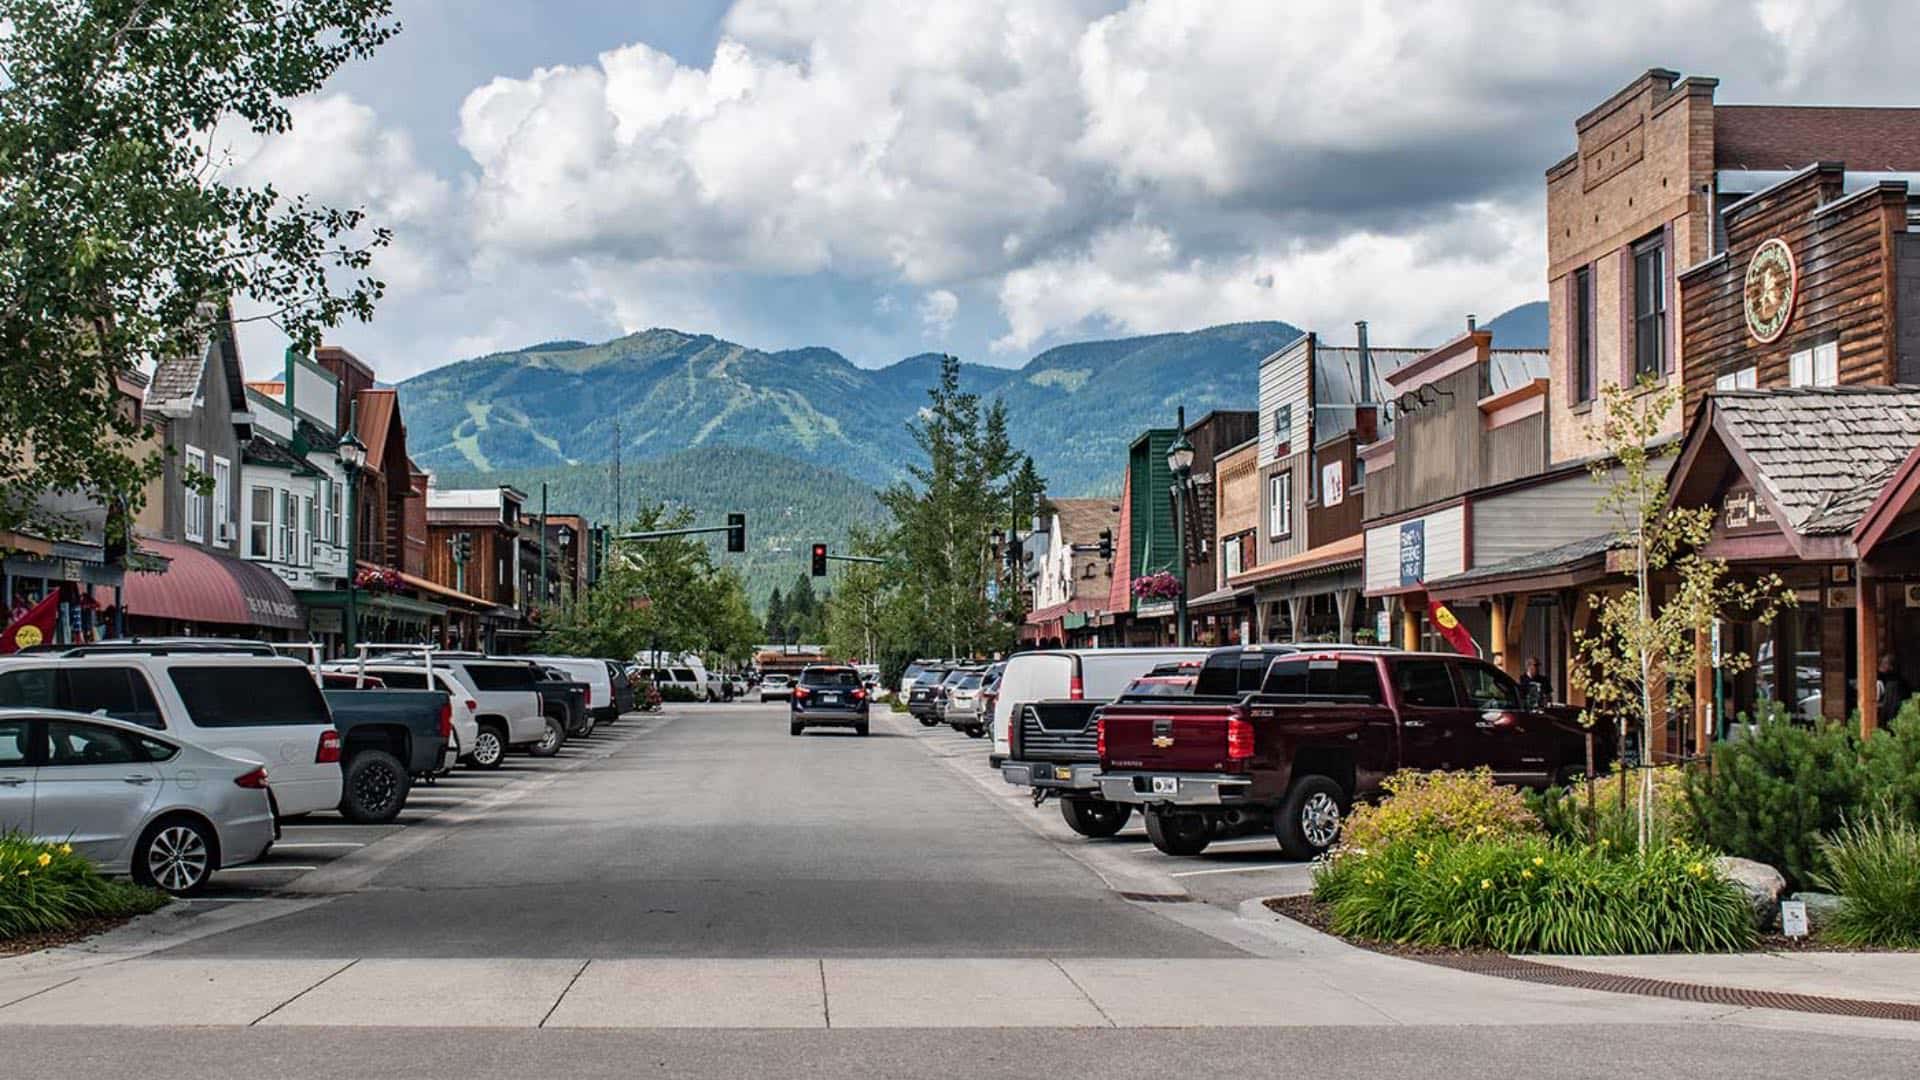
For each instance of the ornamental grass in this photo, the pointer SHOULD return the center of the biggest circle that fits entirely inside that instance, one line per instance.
(49, 887)
(1874, 864)
(1527, 894)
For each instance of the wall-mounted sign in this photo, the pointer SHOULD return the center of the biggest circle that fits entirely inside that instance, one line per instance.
(325, 620)
(1741, 509)
(1840, 596)
(1333, 483)
(1413, 552)
(1772, 281)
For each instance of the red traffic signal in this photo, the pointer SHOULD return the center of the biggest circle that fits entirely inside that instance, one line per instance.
(819, 560)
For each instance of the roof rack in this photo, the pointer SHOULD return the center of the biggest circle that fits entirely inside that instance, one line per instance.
(171, 646)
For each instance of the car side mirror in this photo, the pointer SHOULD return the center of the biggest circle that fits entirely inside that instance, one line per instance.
(1501, 719)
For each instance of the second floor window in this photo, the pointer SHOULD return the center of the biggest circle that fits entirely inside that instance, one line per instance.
(1818, 366)
(1282, 428)
(1583, 380)
(1280, 504)
(289, 528)
(194, 506)
(222, 502)
(1650, 307)
(1231, 564)
(1738, 379)
(260, 523)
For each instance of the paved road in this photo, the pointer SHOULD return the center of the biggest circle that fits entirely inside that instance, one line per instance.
(718, 834)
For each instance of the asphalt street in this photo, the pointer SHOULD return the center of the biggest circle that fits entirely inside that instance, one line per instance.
(720, 835)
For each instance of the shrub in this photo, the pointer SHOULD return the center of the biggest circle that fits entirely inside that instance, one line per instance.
(1874, 864)
(1429, 805)
(1890, 766)
(47, 887)
(1774, 792)
(677, 693)
(1530, 894)
(1563, 811)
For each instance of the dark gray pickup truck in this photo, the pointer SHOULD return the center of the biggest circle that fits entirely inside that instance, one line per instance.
(387, 739)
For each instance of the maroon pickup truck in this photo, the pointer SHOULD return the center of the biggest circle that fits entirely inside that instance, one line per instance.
(1324, 729)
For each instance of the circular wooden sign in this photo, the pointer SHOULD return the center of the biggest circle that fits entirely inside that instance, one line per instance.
(1772, 281)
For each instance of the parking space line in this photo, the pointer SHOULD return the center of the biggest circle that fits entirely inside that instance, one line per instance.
(1236, 869)
(260, 867)
(306, 844)
(1251, 841)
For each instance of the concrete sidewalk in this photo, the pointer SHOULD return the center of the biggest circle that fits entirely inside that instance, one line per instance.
(1855, 976)
(788, 993)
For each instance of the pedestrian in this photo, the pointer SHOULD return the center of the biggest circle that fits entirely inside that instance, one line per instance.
(1535, 684)
(1893, 689)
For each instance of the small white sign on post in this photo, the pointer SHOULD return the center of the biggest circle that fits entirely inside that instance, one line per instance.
(1793, 918)
(1716, 643)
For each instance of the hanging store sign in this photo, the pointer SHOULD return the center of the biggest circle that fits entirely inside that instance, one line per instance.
(1742, 511)
(1333, 483)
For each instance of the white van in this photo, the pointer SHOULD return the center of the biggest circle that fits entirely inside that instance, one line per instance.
(263, 709)
(686, 671)
(1062, 674)
(600, 699)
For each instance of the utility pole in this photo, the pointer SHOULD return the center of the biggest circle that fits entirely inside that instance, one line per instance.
(618, 521)
(543, 543)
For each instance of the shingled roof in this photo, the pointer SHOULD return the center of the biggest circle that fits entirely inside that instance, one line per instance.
(1823, 453)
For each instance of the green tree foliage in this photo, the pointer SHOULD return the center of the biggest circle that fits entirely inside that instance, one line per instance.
(776, 616)
(942, 516)
(120, 241)
(861, 612)
(667, 594)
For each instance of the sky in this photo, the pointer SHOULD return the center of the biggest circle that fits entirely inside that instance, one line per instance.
(991, 177)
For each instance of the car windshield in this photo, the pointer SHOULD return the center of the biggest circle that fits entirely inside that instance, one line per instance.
(953, 677)
(913, 672)
(969, 681)
(781, 679)
(831, 677)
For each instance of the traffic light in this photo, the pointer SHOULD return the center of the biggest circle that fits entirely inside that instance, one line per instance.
(736, 532)
(819, 560)
(1106, 543)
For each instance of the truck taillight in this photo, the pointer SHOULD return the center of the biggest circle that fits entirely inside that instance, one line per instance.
(446, 719)
(328, 752)
(255, 780)
(1239, 739)
(589, 701)
(860, 695)
(473, 706)
(801, 693)
(1099, 737)
(1076, 689)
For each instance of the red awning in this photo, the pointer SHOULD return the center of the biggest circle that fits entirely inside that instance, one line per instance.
(199, 586)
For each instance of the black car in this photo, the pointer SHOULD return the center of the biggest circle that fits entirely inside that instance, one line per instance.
(922, 694)
(828, 696)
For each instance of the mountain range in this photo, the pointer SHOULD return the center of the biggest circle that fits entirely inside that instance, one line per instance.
(799, 439)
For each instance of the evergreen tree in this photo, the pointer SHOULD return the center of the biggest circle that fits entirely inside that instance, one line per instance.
(776, 616)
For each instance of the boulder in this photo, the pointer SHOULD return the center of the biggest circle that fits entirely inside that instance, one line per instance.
(1821, 907)
(1762, 884)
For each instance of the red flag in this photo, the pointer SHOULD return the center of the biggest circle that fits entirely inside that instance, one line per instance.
(1445, 621)
(33, 628)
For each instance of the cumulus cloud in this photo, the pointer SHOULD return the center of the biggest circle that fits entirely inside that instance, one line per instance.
(1129, 165)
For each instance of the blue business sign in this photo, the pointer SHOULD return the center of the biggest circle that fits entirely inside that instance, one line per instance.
(1413, 552)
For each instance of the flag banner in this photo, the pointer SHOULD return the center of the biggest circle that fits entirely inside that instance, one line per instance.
(1449, 626)
(35, 627)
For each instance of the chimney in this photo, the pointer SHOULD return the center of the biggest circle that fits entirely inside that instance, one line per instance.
(1471, 321)
(1365, 428)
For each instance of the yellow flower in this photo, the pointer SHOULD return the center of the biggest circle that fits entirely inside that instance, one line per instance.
(1604, 842)
(1486, 883)
(44, 859)
(1479, 830)
(1422, 858)
(1456, 879)
(66, 849)
(1526, 873)
(1539, 861)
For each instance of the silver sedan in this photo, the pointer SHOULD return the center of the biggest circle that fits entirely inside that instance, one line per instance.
(132, 800)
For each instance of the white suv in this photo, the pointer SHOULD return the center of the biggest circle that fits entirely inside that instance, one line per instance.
(257, 708)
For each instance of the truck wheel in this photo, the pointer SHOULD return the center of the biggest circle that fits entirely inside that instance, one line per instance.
(551, 740)
(489, 748)
(376, 788)
(975, 731)
(795, 727)
(929, 721)
(1309, 821)
(1094, 817)
(1178, 834)
(860, 729)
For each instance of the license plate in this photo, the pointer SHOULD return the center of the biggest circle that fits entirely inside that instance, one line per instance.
(1061, 772)
(1166, 785)
(829, 699)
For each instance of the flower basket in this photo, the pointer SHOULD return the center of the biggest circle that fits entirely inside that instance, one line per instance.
(1160, 586)
(376, 578)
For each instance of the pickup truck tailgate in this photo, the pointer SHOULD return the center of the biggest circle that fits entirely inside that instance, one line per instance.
(1177, 738)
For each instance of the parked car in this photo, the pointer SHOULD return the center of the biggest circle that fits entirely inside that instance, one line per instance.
(602, 703)
(570, 696)
(1323, 730)
(1044, 731)
(776, 687)
(238, 703)
(943, 692)
(990, 694)
(961, 705)
(388, 737)
(683, 678)
(910, 675)
(510, 709)
(130, 799)
(463, 713)
(922, 696)
(828, 695)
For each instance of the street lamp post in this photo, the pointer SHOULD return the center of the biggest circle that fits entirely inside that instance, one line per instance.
(353, 457)
(1180, 461)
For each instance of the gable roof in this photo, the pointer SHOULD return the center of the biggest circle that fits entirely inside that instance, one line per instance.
(175, 384)
(1082, 519)
(1817, 456)
(378, 410)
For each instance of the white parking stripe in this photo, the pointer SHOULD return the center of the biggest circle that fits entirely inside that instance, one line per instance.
(1251, 841)
(304, 845)
(1235, 869)
(261, 867)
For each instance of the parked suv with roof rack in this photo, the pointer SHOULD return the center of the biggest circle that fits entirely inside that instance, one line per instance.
(512, 708)
(237, 702)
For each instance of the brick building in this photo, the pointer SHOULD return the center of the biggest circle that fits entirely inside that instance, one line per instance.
(1640, 197)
